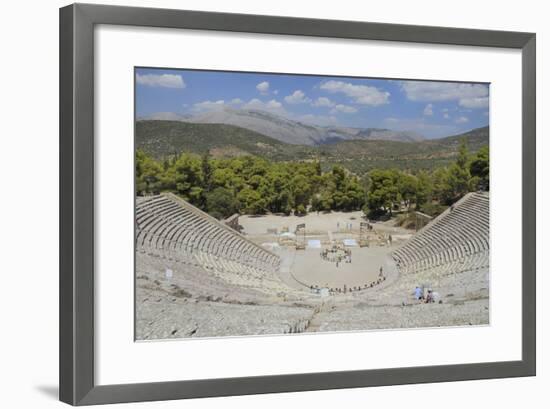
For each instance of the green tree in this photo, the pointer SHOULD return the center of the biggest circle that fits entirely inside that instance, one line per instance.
(458, 177)
(439, 183)
(408, 186)
(383, 193)
(148, 174)
(424, 189)
(301, 192)
(318, 170)
(346, 191)
(206, 165)
(479, 167)
(221, 203)
(251, 201)
(187, 179)
(351, 196)
(227, 178)
(279, 194)
(301, 210)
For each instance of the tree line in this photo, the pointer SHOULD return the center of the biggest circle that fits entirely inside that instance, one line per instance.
(430, 192)
(253, 185)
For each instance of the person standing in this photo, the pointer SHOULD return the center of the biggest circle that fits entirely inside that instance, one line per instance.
(429, 297)
(418, 293)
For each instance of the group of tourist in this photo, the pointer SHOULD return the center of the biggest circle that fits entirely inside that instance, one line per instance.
(423, 296)
(344, 290)
(336, 254)
(347, 289)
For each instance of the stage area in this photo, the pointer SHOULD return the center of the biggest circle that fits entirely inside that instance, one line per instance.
(325, 251)
(309, 268)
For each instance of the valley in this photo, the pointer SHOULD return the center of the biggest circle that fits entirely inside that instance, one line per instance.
(166, 138)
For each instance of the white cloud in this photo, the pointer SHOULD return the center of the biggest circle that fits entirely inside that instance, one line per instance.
(263, 87)
(461, 120)
(255, 104)
(467, 95)
(162, 80)
(297, 97)
(275, 92)
(428, 110)
(477, 102)
(216, 105)
(323, 102)
(361, 94)
(209, 105)
(446, 115)
(273, 105)
(346, 109)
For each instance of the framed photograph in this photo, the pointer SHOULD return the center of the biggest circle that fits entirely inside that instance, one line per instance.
(258, 204)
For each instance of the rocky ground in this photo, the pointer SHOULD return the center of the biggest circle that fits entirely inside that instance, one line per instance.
(167, 308)
(191, 298)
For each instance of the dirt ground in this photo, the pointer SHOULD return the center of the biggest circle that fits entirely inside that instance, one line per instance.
(307, 267)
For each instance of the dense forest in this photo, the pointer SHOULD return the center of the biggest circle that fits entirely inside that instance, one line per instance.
(255, 185)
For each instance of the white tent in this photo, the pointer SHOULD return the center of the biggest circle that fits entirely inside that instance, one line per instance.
(314, 244)
(270, 245)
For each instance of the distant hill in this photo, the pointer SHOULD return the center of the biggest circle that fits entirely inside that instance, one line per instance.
(163, 138)
(476, 138)
(375, 134)
(288, 130)
(360, 156)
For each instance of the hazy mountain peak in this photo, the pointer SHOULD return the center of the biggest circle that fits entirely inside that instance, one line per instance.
(285, 129)
(390, 135)
(266, 123)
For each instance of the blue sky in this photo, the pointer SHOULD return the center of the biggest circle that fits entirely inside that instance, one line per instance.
(433, 109)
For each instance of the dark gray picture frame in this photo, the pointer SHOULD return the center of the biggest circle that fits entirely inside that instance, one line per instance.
(76, 281)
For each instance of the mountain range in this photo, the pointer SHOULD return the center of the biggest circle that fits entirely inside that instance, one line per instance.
(288, 130)
(165, 138)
